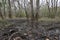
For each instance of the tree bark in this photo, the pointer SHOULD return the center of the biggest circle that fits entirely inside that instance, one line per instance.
(15, 9)
(26, 11)
(32, 13)
(4, 2)
(48, 8)
(1, 14)
(37, 13)
(19, 6)
(56, 7)
(10, 14)
(37, 10)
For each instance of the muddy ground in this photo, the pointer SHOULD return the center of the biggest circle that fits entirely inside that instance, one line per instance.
(45, 29)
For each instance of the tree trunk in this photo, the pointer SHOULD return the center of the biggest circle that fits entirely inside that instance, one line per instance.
(26, 11)
(32, 13)
(14, 9)
(10, 14)
(52, 6)
(48, 8)
(56, 7)
(1, 14)
(4, 2)
(37, 9)
(19, 6)
(37, 12)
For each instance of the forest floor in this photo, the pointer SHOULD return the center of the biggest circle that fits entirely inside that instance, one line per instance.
(42, 29)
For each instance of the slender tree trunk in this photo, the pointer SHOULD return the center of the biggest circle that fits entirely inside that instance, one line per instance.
(14, 9)
(1, 14)
(4, 2)
(52, 6)
(19, 6)
(37, 9)
(32, 13)
(10, 14)
(37, 12)
(48, 8)
(56, 7)
(26, 11)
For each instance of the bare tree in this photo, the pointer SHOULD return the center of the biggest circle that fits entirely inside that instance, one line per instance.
(56, 7)
(48, 7)
(32, 13)
(4, 2)
(37, 9)
(10, 14)
(1, 12)
(27, 16)
(53, 4)
(14, 8)
(19, 6)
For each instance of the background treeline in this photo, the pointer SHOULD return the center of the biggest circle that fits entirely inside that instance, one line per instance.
(33, 9)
